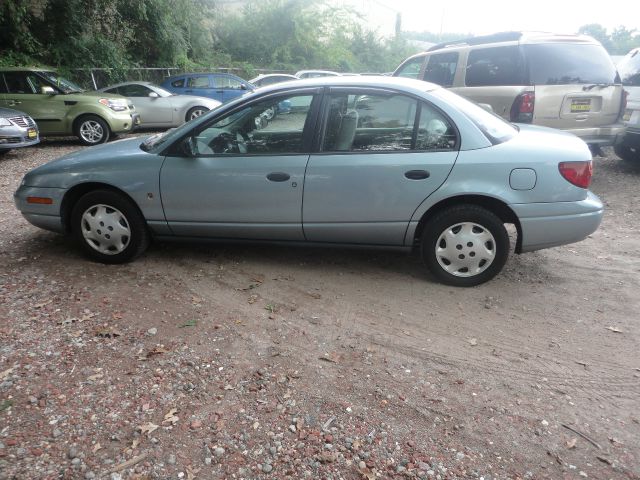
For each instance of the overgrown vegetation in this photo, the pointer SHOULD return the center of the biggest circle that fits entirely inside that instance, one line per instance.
(285, 35)
(120, 34)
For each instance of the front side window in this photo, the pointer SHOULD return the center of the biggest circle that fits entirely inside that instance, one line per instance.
(17, 82)
(270, 127)
(629, 69)
(442, 68)
(410, 69)
(178, 83)
(496, 66)
(198, 82)
(134, 90)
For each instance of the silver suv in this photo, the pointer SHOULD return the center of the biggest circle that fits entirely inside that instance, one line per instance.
(561, 81)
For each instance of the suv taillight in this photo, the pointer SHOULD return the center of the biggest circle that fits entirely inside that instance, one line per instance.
(577, 173)
(522, 108)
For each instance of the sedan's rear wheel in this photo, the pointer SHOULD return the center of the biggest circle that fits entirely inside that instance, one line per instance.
(627, 154)
(109, 227)
(92, 130)
(195, 112)
(465, 245)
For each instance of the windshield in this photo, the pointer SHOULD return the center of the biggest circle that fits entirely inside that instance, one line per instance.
(563, 64)
(629, 69)
(495, 128)
(64, 85)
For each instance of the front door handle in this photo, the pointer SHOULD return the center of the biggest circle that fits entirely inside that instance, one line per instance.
(278, 177)
(417, 174)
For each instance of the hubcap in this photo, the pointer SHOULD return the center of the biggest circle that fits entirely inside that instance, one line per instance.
(465, 249)
(105, 229)
(197, 113)
(91, 131)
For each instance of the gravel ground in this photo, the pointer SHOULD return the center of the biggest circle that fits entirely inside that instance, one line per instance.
(269, 362)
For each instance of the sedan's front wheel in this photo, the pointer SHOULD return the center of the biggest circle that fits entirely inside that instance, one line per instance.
(109, 227)
(465, 245)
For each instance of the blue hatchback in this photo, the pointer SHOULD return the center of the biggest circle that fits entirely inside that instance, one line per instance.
(219, 86)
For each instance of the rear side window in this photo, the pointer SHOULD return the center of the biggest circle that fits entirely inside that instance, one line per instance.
(178, 83)
(496, 66)
(198, 82)
(442, 68)
(565, 63)
(226, 82)
(410, 69)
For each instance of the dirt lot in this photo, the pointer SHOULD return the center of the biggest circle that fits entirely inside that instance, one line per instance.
(269, 362)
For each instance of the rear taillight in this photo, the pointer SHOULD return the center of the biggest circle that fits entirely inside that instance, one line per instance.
(577, 173)
(522, 108)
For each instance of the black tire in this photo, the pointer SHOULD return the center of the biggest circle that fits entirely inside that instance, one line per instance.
(627, 154)
(486, 239)
(195, 112)
(122, 224)
(91, 130)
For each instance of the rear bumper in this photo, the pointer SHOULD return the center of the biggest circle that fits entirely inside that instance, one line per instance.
(545, 225)
(601, 136)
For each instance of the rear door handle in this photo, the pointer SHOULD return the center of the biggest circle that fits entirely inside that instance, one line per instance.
(278, 177)
(417, 174)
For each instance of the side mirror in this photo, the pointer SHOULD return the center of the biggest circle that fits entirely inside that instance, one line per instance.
(47, 91)
(153, 95)
(189, 147)
(243, 86)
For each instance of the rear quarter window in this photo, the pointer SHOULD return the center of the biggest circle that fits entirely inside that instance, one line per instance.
(566, 63)
(495, 66)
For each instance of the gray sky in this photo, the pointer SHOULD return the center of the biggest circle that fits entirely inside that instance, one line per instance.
(490, 16)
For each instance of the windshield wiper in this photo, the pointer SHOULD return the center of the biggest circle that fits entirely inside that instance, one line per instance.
(601, 85)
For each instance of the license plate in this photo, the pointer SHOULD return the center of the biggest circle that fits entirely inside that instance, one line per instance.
(31, 133)
(580, 105)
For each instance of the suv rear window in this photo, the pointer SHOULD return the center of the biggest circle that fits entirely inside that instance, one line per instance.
(629, 69)
(564, 64)
(496, 66)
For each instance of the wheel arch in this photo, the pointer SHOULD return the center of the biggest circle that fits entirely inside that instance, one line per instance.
(498, 207)
(77, 191)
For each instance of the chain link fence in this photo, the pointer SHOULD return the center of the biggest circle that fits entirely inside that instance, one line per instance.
(94, 78)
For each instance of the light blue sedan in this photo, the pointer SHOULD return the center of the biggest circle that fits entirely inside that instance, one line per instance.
(364, 161)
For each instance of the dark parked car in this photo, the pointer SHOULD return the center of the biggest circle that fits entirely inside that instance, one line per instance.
(219, 86)
(17, 129)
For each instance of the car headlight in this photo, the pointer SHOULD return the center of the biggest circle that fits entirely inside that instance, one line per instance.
(115, 104)
(4, 122)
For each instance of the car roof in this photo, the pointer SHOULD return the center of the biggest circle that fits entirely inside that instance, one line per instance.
(513, 36)
(415, 86)
(28, 69)
(188, 74)
(132, 82)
